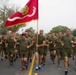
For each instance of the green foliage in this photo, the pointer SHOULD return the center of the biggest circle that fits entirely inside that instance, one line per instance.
(6, 11)
(31, 30)
(74, 32)
(59, 29)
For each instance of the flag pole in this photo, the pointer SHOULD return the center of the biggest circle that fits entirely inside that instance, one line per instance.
(37, 31)
(36, 53)
(37, 24)
(37, 37)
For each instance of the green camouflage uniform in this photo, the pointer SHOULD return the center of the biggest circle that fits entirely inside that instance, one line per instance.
(18, 47)
(34, 45)
(10, 47)
(30, 49)
(59, 47)
(67, 45)
(45, 48)
(24, 51)
(51, 46)
(41, 38)
(3, 47)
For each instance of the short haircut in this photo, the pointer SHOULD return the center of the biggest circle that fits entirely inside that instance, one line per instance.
(68, 29)
(22, 34)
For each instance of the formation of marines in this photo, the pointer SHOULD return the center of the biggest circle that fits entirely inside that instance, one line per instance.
(62, 45)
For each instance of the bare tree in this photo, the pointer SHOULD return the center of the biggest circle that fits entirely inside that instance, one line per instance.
(6, 10)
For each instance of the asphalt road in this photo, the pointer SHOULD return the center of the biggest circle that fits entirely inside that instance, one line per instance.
(48, 69)
(52, 69)
(15, 69)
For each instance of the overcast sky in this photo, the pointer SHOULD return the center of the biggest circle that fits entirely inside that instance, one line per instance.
(52, 13)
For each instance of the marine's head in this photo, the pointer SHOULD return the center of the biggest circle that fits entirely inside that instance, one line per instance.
(41, 32)
(60, 34)
(68, 32)
(23, 36)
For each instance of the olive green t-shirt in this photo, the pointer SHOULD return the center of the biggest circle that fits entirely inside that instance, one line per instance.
(67, 41)
(11, 43)
(30, 39)
(53, 40)
(24, 44)
(3, 42)
(45, 47)
(58, 43)
(41, 38)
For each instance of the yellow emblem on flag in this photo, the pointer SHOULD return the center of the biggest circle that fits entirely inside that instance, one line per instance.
(25, 10)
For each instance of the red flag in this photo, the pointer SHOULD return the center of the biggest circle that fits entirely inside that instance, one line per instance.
(26, 14)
